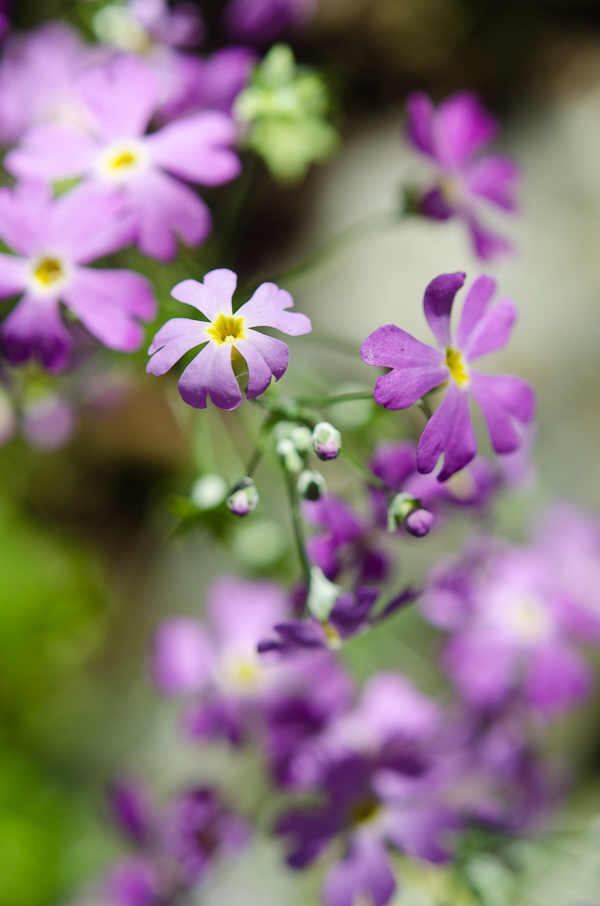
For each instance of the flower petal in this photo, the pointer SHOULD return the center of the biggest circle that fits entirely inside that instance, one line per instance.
(51, 152)
(13, 275)
(461, 127)
(165, 209)
(213, 296)
(494, 177)
(259, 373)
(266, 308)
(196, 148)
(420, 122)
(242, 611)
(89, 222)
(558, 678)
(362, 876)
(448, 431)
(194, 383)
(34, 330)
(108, 302)
(481, 665)
(173, 340)
(487, 245)
(122, 95)
(24, 216)
(437, 303)
(275, 352)
(476, 302)
(493, 330)
(417, 368)
(182, 656)
(501, 398)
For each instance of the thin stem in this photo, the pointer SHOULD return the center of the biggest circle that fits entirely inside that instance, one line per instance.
(261, 443)
(424, 406)
(360, 467)
(323, 401)
(297, 526)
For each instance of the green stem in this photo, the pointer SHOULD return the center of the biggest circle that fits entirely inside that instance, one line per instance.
(360, 467)
(261, 443)
(323, 401)
(297, 526)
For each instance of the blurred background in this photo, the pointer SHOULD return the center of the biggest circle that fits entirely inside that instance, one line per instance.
(88, 561)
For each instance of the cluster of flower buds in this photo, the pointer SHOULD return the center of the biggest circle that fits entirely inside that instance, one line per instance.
(406, 510)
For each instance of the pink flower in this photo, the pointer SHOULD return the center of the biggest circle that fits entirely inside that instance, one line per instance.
(150, 172)
(52, 240)
(227, 334)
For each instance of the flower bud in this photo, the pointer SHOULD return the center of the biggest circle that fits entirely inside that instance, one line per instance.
(243, 498)
(302, 438)
(310, 485)
(327, 441)
(208, 491)
(322, 594)
(418, 522)
(288, 454)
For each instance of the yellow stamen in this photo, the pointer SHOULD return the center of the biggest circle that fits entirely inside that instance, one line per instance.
(364, 811)
(226, 329)
(124, 159)
(458, 368)
(48, 271)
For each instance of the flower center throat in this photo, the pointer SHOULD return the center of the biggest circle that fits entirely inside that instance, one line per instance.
(457, 366)
(226, 329)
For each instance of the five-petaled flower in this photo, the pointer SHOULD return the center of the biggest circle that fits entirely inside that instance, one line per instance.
(229, 339)
(450, 137)
(418, 368)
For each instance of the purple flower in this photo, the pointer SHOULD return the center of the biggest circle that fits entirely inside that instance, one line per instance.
(52, 241)
(229, 338)
(451, 137)
(48, 421)
(261, 21)
(150, 172)
(132, 882)
(510, 635)
(180, 25)
(417, 369)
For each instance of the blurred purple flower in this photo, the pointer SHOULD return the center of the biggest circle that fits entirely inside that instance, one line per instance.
(53, 239)
(451, 137)
(48, 421)
(180, 25)
(132, 882)
(149, 172)
(418, 369)
(227, 335)
(261, 21)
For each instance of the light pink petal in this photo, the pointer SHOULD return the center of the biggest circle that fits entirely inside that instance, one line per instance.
(89, 222)
(13, 275)
(493, 330)
(437, 304)
(243, 610)
(108, 302)
(122, 95)
(275, 353)
(166, 209)
(34, 330)
(363, 875)
(420, 122)
(494, 177)
(423, 831)
(557, 679)
(196, 148)
(194, 383)
(52, 152)
(213, 296)
(461, 128)
(182, 656)
(476, 302)
(482, 667)
(390, 705)
(448, 431)
(417, 368)
(487, 245)
(259, 373)
(266, 308)
(173, 340)
(224, 389)
(502, 398)
(24, 214)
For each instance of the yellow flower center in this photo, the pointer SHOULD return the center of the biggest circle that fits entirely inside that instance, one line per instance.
(49, 271)
(226, 329)
(365, 811)
(458, 367)
(125, 159)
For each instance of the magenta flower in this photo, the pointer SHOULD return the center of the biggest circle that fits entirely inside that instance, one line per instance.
(52, 241)
(228, 335)
(261, 21)
(451, 137)
(150, 172)
(418, 368)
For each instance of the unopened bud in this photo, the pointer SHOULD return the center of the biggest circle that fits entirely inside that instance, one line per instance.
(419, 522)
(243, 498)
(310, 485)
(327, 441)
(302, 438)
(283, 429)
(288, 454)
(322, 594)
(208, 491)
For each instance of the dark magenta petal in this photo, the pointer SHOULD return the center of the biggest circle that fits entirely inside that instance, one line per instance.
(476, 302)
(420, 122)
(502, 398)
(448, 431)
(437, 303)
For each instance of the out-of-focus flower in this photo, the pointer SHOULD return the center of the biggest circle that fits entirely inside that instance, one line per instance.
(261, 21)
(48, 421)
(284, 110)
(136, 25)
(149, 172)
(37, 79)
(5, 6)
(231, 342)
(509, 631)
(53, 239)
(451, 137)
(377, 793)
(417, 369)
